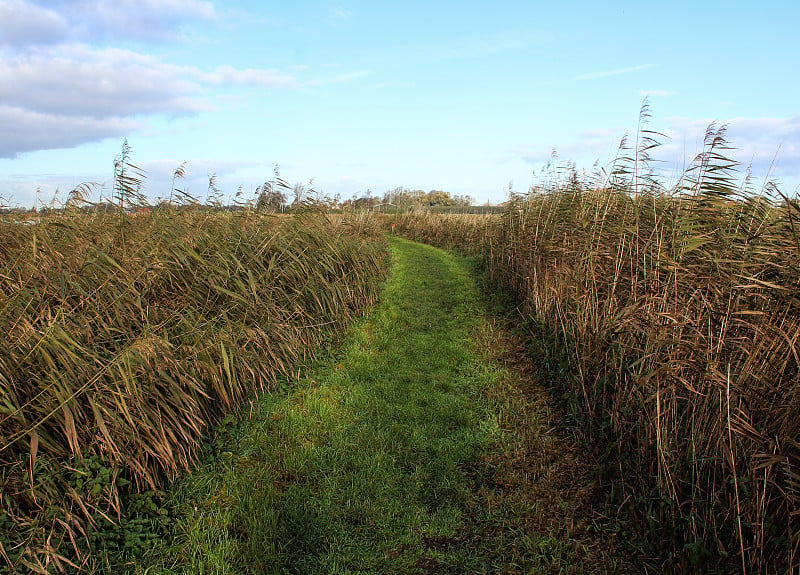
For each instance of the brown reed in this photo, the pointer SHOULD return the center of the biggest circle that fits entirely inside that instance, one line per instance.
(128, 336)
(678, 311)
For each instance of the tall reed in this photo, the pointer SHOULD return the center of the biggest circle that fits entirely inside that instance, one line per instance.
(128, 336)
(678, 309)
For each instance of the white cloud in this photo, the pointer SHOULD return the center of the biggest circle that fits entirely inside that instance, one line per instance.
(32, 23)
(57, 90)
(765, 144)
(25, 130)
(139, 19)
(608, 73)
(23, 23)
(79, 81)
(769, 146)
(85, 94)
(96, 91)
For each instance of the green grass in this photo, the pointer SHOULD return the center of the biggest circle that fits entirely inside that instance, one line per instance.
(122, 351)
(377, 460)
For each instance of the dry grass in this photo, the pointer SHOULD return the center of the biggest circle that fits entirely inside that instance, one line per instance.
(128, 336)
(679, 312)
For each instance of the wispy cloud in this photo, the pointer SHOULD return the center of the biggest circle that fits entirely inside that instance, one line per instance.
(767, 145)
(195, 168)
(341, 78)
(472, 46)
(390, 84)
(657, 93)
(228, 75)
(591, 145)
(339, 13)
(608, 73)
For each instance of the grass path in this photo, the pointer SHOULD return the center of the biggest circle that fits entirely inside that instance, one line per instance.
(413, 450)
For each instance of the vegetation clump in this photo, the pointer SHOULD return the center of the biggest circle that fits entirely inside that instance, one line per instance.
(407, 450)
(128, 336)
(670, 319)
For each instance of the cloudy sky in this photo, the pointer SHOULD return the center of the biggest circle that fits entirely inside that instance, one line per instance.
(461, 96)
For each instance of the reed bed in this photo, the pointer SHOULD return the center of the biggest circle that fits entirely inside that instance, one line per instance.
(127, 337)
(677, 310)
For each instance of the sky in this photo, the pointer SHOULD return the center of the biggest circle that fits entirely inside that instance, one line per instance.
(356, 96)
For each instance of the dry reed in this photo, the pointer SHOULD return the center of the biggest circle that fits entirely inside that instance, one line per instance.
(128, 336)
(679, 312)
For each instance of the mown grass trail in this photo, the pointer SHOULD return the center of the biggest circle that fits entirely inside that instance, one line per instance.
(382, 459)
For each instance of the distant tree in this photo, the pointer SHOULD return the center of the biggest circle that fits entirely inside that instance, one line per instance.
(366, 202)
(439, 198)
(270, 198)
(463, 200)
(299, 194)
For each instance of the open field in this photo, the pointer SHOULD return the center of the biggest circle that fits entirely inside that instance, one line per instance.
(667, 319)
(670, 321)
(127, 337)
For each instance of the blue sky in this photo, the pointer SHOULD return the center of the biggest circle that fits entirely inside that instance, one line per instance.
(462, 96)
